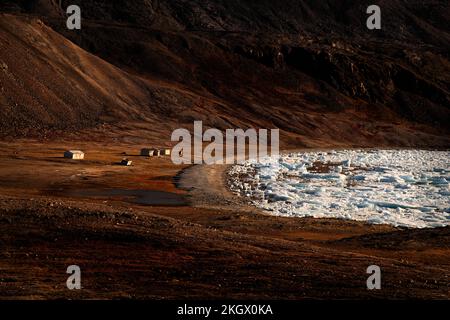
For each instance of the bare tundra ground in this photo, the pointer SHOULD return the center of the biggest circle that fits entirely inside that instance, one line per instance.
(210, 245)
(137, 71)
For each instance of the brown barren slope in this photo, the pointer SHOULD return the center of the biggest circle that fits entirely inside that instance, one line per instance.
(174, 67)
(48, 83)
(139, 69)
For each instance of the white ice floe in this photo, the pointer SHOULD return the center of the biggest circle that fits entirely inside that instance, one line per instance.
(407, 188)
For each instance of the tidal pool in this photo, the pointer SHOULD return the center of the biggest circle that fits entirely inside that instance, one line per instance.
(142, 197)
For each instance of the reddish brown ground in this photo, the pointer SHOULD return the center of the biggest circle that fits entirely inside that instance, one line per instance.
(214, 247)
(137, 75)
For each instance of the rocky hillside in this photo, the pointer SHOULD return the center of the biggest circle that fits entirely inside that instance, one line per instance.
(414, 20)
(310, 68)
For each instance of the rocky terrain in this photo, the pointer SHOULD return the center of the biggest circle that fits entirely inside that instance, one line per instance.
(310, 68)
(213, 247)
(155, 230)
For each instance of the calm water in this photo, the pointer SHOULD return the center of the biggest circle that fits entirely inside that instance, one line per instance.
(142, 197)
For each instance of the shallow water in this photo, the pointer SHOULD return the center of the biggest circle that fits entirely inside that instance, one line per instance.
(142, 197)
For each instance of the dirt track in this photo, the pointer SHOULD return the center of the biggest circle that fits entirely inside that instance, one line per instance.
(216, 247)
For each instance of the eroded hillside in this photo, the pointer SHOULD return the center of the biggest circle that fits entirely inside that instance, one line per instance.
(309, 68)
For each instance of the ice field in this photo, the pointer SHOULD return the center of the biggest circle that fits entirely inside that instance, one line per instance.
(408, 188)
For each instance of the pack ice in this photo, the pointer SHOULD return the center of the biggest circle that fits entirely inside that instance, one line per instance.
(408, 188)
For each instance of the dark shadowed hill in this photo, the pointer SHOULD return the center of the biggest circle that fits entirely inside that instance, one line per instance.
(415, 20)
(310, 68)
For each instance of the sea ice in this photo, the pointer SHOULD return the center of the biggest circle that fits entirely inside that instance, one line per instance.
(407, 188)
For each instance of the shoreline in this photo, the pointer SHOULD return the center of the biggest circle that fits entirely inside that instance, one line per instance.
(207, 186)
(215, 247)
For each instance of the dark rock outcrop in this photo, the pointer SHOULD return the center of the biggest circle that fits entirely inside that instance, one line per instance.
(311, 68)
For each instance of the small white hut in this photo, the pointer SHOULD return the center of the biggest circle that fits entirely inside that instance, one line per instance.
(150, 152)
(165, 152)
(126, 162)
(74, 154)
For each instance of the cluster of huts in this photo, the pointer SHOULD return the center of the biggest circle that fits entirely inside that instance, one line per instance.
(155, 152)
(147, 152)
